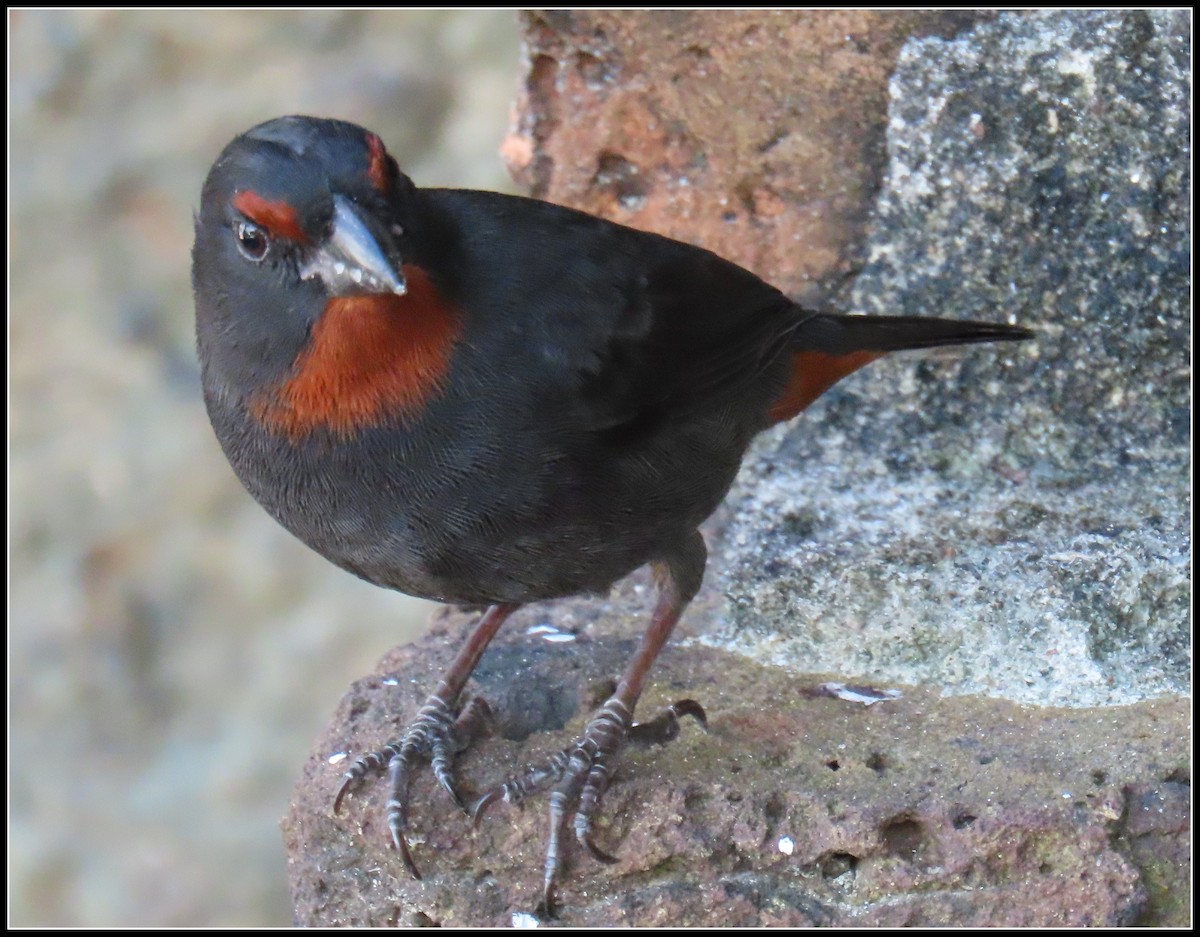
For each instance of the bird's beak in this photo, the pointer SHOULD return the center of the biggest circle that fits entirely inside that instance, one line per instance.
(350, 262)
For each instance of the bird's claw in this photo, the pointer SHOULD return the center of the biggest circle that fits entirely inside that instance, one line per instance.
(580, 774)
(596, 852)
(664, 727)
(435, 731)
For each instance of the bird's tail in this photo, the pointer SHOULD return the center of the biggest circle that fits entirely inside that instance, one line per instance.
(826, 347)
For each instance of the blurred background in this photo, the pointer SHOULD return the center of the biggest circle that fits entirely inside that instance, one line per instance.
(173, 652)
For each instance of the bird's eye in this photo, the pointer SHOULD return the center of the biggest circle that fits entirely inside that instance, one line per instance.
(252, 240)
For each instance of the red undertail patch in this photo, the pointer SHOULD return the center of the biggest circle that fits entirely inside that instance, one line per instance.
(813, 373)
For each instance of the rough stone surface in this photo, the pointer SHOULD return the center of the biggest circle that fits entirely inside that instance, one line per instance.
(1013, 521)
(794, 809)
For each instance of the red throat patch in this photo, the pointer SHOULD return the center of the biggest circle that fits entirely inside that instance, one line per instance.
(813, 373)
(371, 360)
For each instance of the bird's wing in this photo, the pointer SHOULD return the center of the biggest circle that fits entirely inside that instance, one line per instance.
(612, 327)
(694, 334)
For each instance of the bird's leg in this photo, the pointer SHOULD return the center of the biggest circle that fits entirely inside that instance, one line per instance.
(436, 730)
(581, 773)
(589, 769)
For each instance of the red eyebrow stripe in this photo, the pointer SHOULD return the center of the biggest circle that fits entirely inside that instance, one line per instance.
(377, 167)
(279, 218)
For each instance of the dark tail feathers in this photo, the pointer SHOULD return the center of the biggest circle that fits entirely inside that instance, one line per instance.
(841, 335)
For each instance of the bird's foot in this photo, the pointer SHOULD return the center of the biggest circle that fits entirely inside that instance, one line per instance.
(436, 731)
(580, 774)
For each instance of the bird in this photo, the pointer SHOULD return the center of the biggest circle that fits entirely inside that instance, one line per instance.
(492, 400)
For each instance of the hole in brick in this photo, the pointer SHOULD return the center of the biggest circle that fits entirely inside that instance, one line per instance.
(593, 69)
(623, 179)
(832, 765)
(903, 836)
(836, 864)
(877, 763)
(962, 820)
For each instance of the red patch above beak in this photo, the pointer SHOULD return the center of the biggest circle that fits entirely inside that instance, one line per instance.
(372, 360)
(377, 164)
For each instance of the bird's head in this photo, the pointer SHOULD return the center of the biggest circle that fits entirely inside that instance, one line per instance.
(305, 309)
